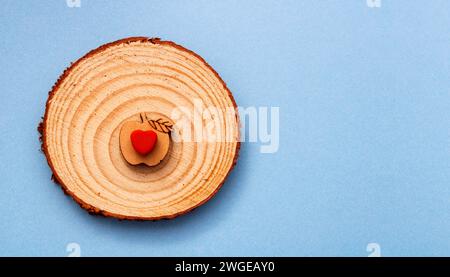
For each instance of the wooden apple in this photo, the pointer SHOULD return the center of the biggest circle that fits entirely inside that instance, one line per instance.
(145, 141)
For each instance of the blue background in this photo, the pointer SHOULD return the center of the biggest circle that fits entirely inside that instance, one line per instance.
(364, 97)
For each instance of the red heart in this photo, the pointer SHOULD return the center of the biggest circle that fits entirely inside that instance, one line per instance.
(143, 141)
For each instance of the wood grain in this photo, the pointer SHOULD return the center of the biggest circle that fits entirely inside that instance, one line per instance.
(111, 85)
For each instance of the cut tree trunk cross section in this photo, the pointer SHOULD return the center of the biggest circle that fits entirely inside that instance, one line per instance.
(114, 84)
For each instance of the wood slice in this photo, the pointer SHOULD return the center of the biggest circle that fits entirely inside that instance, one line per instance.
(112, 85)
